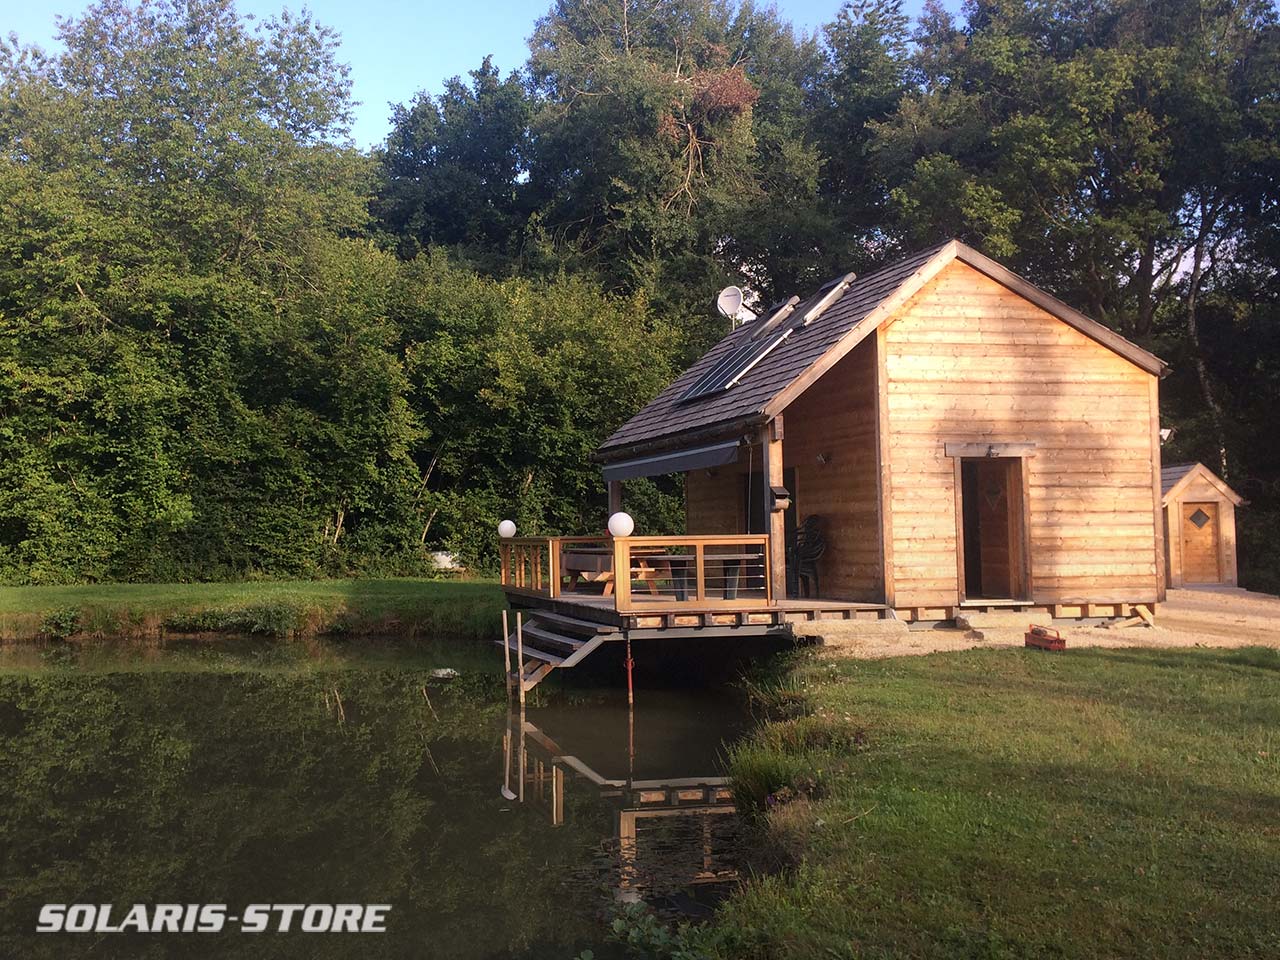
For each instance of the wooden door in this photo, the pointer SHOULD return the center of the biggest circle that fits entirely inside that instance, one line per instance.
(1200, 543)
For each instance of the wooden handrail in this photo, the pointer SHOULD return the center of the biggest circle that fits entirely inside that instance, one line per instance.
(680, 561)
(683, 562)
(688, 540)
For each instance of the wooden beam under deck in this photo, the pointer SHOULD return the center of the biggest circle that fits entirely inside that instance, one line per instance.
(712, 618)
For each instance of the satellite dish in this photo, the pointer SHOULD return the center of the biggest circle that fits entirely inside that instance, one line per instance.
(729, 302)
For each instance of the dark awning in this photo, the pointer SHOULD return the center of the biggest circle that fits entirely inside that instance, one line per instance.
(678, 461)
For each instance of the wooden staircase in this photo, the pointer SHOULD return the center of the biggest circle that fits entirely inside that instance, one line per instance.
(553, 640)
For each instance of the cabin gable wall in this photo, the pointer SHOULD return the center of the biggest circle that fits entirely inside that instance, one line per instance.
(968, 360)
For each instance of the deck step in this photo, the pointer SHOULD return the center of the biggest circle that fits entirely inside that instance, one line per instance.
(542, 636)
(570, 624)
(552, 640)
(534, 653)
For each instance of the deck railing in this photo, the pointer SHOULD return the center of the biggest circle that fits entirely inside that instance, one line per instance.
(712, 572)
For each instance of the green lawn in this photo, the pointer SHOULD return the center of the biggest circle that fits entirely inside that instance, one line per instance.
(394, 609)
(1119, 803)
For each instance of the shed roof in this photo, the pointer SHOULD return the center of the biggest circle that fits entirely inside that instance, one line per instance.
(1171, 473)
(1175, 476)
(768, 387)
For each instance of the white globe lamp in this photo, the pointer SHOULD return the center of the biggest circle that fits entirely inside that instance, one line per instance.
(506, 529)
(621, 525)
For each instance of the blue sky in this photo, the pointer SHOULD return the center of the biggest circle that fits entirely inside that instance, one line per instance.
(397, 47)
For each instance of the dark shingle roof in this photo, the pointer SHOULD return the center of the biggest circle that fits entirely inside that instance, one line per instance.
(667, 416)
(1171, 473)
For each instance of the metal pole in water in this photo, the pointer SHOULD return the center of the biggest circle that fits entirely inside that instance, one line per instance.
(630, 663)
(520, 654)
(631, 713)
(506, 651)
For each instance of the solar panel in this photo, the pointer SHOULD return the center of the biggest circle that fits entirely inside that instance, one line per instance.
(737, 363)
(732, 367)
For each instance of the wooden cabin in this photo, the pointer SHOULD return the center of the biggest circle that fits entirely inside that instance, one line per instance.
(937, 435)
(1199, 526)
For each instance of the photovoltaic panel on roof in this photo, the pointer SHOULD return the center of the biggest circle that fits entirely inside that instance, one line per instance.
(726, 372)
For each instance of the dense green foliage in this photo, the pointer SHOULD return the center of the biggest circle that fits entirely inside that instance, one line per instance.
(1014, 804)
(231, 343)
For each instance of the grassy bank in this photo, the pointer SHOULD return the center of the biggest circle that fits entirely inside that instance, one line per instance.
(390, 609)
(1016, 804)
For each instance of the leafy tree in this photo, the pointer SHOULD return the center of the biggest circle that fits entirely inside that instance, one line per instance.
(643, 136)
(176, 191)
(452, 166)
(864, 79)
(517, 383)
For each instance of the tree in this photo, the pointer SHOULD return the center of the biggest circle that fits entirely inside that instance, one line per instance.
(176, 181)
(451, 171)
(517, 383)
(864, 79)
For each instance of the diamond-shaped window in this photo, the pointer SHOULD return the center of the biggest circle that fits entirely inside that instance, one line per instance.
(1199, 518)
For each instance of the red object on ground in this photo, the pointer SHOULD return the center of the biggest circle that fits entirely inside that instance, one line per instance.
(1044, 638)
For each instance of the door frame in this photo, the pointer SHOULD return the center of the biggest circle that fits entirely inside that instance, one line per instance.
(1019, 498)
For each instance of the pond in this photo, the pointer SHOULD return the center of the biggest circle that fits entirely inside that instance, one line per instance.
(489, 833)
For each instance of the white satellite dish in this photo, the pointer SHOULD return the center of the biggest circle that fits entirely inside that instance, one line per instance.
(729, 303)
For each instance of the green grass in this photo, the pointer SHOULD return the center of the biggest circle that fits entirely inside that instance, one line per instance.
(392, 609)
(998, 804)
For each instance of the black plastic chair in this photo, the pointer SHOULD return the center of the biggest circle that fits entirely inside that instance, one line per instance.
(807, 550)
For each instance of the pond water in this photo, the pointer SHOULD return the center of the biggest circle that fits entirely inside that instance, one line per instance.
(489, 834)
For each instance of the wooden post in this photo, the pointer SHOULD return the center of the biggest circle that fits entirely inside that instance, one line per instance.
(553, 563)
(615, 496)
(1157, 505)
(522, 762)
(520, 678)
(505, 551)
(506, 756)
(557, 795)
(621, 574)
(506, 650)
(771, 468)
(884, 491)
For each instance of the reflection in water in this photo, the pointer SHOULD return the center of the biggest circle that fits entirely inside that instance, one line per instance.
(351, 786)
(674, 829)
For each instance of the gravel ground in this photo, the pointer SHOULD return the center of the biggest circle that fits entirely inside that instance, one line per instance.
(1201, 617)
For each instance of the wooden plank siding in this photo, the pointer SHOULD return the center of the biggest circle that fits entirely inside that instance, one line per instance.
(712, 501)
(968, 360)
(835, 419)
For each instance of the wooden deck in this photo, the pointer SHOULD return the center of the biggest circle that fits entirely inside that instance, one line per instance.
(664, 612)
(573, 594)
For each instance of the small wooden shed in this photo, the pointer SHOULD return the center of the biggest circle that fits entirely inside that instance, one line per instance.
(1199, 524)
